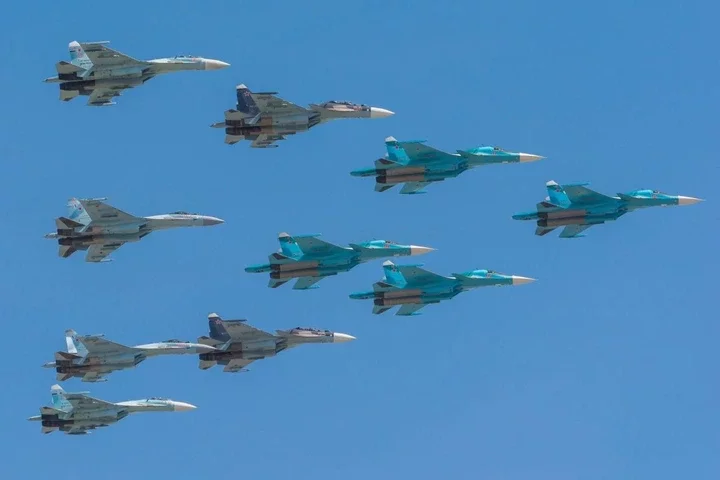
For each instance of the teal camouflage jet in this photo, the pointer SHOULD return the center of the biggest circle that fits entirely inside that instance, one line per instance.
(310, 259)
(417, 165)
(102, 73)
(413, 287)
(237, 344)
(578, 208)
(264, 118)
(78, 413)
(91, 357)
(101, 229)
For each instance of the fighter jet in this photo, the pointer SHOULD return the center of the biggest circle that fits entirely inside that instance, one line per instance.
(101, 229)
(91, 357)
(578, 208)
(78, 413)
(413, 287)
(310, 259)
(417, 165)
(104, 73)
(264, 118)
(237, 344)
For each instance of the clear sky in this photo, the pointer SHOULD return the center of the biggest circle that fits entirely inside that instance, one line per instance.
(605, 368)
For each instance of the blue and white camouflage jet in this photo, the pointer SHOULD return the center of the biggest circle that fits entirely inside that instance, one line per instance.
(78, 413)
(578, 208)
(92, 358)
(310, 259)
(413, 288)
(101, 229)
(264, 119)
(102, 73)
(417, 165)
(237, 344)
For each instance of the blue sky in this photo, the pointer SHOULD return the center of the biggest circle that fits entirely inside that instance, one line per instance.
(604, 368)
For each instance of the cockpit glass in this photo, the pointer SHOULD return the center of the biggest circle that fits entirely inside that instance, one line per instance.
(174, 340)
(157, 398)
(180, 212)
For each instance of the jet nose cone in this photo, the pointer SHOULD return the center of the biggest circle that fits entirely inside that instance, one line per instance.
(376, 112)
(182, 406)
(215, 64)
(521, 280)
(417, 250)
(209, 221)
(529, 157)
(688, 200)
(342, 338)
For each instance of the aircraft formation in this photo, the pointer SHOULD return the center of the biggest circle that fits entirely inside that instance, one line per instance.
(263, 119)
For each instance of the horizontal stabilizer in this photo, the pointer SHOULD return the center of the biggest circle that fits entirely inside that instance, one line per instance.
(378, 309)
(50, 411)
(65, 251)
(381, 187)
(275, 282)
(59, 356)
(63, 223)
(208, 341)
(61, 377)
(205, 364)
(67, 95)
(65, 68)
(279, 258)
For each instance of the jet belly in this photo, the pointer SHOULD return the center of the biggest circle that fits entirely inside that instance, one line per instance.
(415, 174)
(116, 73)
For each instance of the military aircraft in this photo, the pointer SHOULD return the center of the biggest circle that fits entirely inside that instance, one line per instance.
(578, 208)
(417, 165)
(413, 287)
(310, 259)
(265, 119)
(103, 73)
(78, 413)
(101, 229)
(91, 357)
(237, 344)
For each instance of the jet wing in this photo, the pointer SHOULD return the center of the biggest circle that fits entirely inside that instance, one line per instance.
(408, 310)
(80, 401)
(580, 194)
(316, 246)
(414, 187)
(102, 56)
(419, 153)
(265, 141)
(99, 346)
(237, 364)
(420, 276)
(306, 283)
(103, 96)
(97, 252)
(275, 106)
(100, 212)
(573, 231)
(241, 331)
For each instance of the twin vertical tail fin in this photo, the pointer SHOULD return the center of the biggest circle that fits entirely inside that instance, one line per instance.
(59, 401)
(245, 101)
(289, 246)
(78, 56)
(77, 213)
(556, 194)
(393, 275)
(395, 151)
(217, 328)
(74, 345)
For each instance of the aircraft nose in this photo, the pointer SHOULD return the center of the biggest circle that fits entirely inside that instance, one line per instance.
(209, 221)
(529, 157)
(417, 250)
(215, 64)
(342, 338)
(182, 406)
(517, 280)
(688, 200)
(376, 112)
